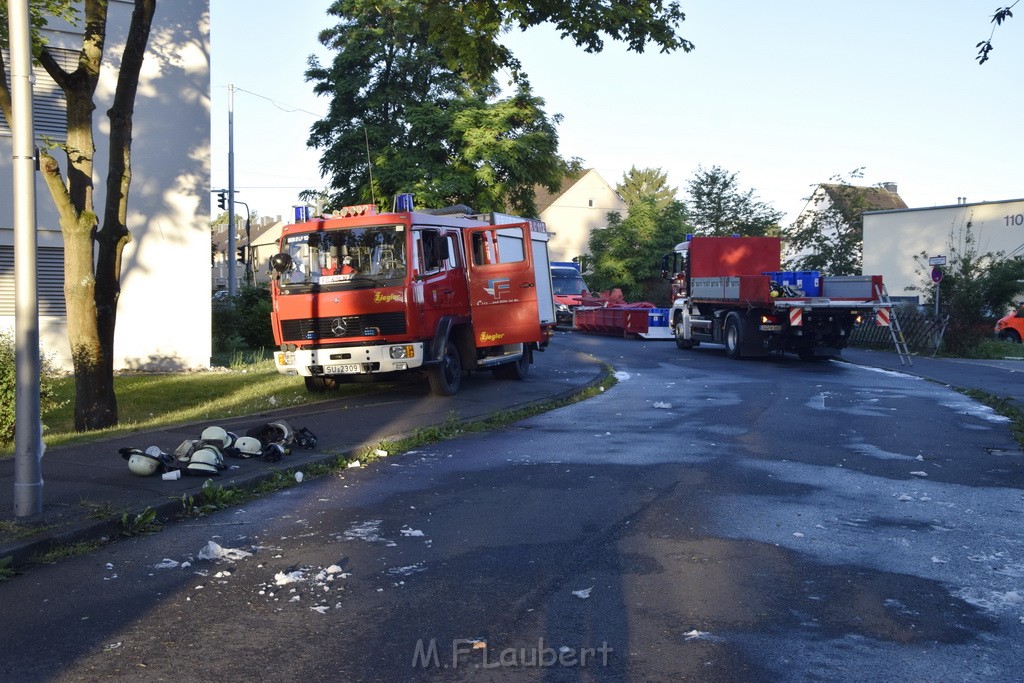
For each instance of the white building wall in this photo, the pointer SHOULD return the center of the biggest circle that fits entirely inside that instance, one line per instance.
(164, 310)
(893, 238)
(577, 212)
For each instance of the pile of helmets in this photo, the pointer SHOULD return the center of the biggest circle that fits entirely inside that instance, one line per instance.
(206, 455)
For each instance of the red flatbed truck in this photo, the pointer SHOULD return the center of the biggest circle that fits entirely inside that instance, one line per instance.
(440, 293)
(729, 290)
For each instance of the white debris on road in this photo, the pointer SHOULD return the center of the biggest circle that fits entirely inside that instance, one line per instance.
(583, 593)
(213, 551)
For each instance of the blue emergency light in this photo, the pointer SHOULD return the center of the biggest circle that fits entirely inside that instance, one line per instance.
(403, 202)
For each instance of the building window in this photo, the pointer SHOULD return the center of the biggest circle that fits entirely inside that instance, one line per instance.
(49, 107)
(590, 203)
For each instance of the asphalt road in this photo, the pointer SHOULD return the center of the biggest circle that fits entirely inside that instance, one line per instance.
(704, 519)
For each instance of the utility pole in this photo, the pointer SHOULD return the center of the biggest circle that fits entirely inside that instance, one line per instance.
(232, 227)
(28, 435)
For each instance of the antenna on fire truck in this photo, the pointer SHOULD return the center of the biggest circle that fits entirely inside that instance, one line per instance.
(369, 164)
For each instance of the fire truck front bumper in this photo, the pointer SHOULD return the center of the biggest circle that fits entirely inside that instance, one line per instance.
(349, 360)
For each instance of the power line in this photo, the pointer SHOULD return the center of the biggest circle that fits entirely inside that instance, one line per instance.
(280, 105)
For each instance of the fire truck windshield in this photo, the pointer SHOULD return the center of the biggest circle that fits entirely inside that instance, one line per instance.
(349, 258)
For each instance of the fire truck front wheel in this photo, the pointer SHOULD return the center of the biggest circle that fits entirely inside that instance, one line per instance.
(681, 341)
(316, 385)
(735, 330)
(446, 376)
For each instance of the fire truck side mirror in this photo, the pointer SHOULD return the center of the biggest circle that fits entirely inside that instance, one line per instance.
(282, 262)
(664, 267)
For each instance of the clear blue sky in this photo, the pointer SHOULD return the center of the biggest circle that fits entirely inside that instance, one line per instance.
(784, 94)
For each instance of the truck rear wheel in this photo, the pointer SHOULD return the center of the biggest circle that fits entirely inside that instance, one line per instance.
(517, 369)
(446, 377)
(735, 330)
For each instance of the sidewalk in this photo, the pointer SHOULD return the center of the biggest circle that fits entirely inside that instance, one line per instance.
(87, 487)
(1003, 378)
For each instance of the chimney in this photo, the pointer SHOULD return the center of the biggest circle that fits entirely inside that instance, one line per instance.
(890, 187)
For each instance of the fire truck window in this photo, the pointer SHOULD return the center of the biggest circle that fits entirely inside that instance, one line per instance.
(510, 246)
(453, 253)
(433, 250)
(481, 253)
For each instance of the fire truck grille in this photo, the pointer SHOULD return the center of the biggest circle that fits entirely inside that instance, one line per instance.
(372, 325)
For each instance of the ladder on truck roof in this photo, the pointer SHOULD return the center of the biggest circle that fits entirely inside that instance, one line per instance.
(895, 330)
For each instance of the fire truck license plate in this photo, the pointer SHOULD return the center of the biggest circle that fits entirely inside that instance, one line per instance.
(350, 369)
(771, 328)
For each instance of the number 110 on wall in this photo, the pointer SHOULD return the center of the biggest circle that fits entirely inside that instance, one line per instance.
(1014, 219)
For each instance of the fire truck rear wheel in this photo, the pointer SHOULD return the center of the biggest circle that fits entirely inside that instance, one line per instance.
(315, 385)
(446, 376)
(517, 370)
(1010, 336)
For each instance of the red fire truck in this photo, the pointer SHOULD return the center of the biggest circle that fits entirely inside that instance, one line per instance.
(367, 294)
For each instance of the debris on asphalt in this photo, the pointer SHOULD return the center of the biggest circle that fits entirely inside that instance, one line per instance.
(583, 593)
(213, 551)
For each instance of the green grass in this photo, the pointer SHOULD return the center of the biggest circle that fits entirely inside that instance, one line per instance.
(152, 401)
(996, 348)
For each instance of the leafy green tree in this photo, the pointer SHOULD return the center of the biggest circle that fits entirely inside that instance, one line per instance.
(977, 288)
(401, 121)
(719, 208)
(92, 252)
(649, 183)
(627, 254)
(468, 32)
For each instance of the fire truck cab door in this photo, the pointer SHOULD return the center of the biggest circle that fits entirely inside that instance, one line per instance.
(502, 285)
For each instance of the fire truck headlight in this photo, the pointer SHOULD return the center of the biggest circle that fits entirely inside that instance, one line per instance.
(402, 352)
(286, 358)
(562, 308)
(858, 319)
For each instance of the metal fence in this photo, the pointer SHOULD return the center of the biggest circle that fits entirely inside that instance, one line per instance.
(919, 331)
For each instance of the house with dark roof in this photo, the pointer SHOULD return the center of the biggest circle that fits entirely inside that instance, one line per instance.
(850, 202)
(580, 206)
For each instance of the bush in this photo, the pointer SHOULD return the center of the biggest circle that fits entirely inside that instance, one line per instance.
(47, 393)
(243, 322)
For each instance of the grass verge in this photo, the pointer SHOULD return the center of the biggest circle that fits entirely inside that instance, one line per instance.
(152, 401)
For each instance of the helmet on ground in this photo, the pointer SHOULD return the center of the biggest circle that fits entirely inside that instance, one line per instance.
(143, 464)
(273, 452)
(285, 433)
(206, 460)
(218, 436)
(248, 446)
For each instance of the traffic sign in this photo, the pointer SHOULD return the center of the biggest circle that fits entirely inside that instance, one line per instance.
(937, 261)
(936, 274)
